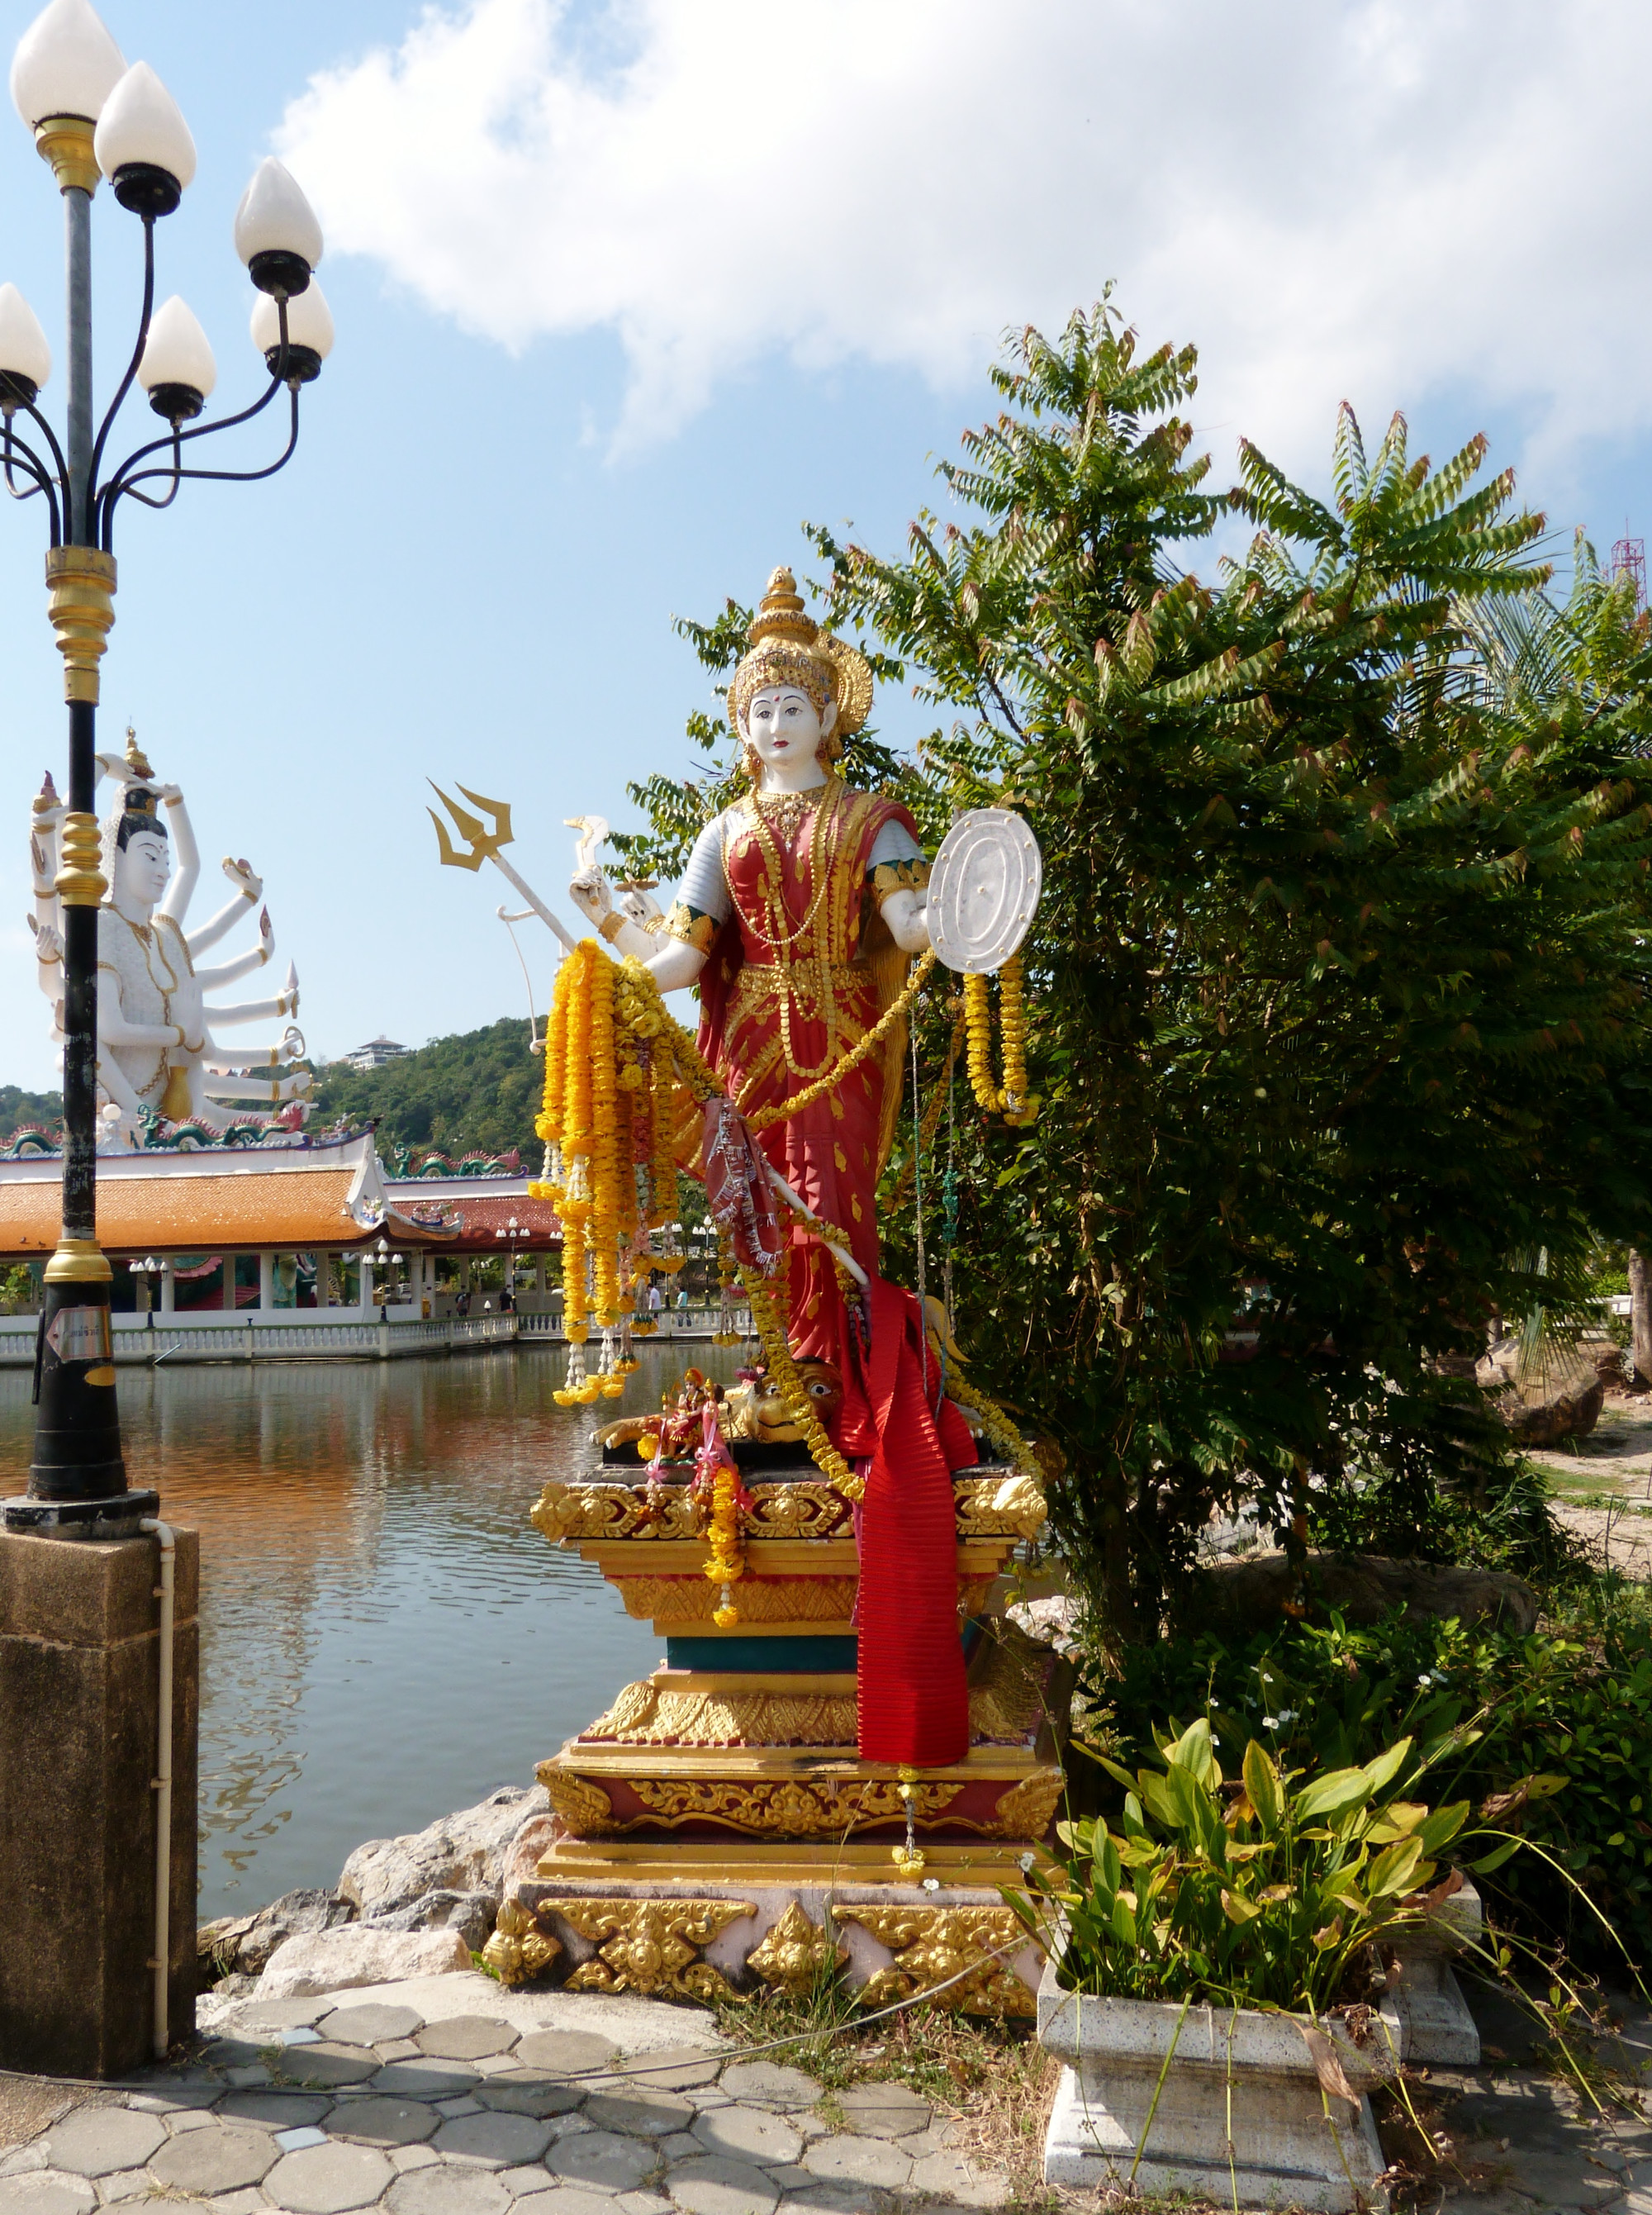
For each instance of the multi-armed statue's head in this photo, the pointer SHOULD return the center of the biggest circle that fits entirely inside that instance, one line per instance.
(800, 692)
(141, 861)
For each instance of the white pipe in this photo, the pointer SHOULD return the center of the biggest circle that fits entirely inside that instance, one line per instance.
(160, 1964)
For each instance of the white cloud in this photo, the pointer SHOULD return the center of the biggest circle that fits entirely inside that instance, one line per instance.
(1380, 198)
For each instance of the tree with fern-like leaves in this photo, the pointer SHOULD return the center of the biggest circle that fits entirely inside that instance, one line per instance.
(1337, 990)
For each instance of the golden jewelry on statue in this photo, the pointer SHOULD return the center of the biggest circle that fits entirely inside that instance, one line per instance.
(612, 924)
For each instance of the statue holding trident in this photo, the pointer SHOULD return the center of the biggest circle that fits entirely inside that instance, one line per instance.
(800, 916)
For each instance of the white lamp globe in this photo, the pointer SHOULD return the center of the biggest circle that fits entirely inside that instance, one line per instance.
(66, 64)
(25, 357)
(310, 332)
(277, 234)
(143, 143)
(177, 370)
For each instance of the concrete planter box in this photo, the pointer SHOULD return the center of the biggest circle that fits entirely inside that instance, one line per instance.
(1249, 2075)
(1425, 2003)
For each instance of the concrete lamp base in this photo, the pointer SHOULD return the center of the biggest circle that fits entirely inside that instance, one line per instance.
(79, 1712)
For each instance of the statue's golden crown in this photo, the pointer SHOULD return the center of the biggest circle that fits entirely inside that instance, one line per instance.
(789, 647)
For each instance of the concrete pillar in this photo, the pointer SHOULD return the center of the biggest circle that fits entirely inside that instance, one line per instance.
(539, 1273)
(168, 1286)
(464, 1273)
(79, 1703)
(266, 1284)
(366, 1261)
(227, 1299)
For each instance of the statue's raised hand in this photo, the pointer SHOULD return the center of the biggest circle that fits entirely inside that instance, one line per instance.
(48, 942)
(245, 879)
(590, 891)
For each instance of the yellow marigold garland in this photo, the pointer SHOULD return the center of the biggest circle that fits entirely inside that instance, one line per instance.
(1012, 1101)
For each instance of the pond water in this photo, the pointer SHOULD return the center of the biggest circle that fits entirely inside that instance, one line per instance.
(385, 1636)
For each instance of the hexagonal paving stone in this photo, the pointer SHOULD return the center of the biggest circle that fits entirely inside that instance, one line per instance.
(282, 2014)
(499, 2141)
(748, 2135)
(220, 2158)
(602, 2158)
(327, 2063)
(864, 2161)
(465, 2038)
(378, 2122)
(770, 2084)
(947, 2176)
(673, 2068)
(571, 2199)
(712, 2186)
(825, 2195)
(644, 2113)
(424, 2080)
(526, 2092)
(371, 2024)
(282, 2111)
(885, 2111)
(326, 2180)
(562, 2053)
(447, 2190)
(98, 2141)
(46, 2192)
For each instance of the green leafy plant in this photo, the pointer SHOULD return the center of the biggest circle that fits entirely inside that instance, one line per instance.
(1547, 1734)
(1266, 1891)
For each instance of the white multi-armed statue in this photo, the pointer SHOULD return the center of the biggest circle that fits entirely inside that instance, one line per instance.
(156, 1044)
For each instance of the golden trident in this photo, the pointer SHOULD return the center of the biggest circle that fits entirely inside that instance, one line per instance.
(482, 844)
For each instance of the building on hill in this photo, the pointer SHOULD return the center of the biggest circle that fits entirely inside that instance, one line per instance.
(376, 1053)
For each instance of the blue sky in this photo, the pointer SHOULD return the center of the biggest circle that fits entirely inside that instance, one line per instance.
(624, 292)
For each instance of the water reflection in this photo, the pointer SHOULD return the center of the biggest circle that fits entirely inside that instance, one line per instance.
(385, 1635)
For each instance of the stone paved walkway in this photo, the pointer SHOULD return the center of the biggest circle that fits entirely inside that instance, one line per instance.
(449, 2096)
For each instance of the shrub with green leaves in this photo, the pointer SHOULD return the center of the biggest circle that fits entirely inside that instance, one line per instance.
(1269, 1890)
(1562, 1756)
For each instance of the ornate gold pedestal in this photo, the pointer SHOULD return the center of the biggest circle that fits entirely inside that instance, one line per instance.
(724, 1794)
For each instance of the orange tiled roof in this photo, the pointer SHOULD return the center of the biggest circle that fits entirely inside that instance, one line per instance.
(197, 1203)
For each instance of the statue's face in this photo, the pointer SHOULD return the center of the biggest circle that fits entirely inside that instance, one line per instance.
(142, 867)
(783, 725)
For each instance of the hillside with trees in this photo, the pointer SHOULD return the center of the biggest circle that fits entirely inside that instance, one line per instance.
(474, 1090)
(18, 1108)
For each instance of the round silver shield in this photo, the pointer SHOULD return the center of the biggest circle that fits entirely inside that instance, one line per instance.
(983, 890)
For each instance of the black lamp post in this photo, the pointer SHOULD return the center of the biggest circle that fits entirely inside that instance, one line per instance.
(93, 117)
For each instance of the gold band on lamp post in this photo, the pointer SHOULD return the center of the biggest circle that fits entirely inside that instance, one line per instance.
(80, 882)
(78, 1262)
(65, 141)
(80, 585)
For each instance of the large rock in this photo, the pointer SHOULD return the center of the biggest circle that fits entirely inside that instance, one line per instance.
(1251, 1590)
(243, 1944)
(462, 1853)
(357, 1953)
(470, 1913)
(1546, 1398)
(526, 1850)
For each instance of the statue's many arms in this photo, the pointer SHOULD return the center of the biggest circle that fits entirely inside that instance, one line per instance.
(797, 916)
(156, 1047)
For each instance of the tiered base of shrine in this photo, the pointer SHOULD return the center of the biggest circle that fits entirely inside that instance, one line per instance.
(716, 1830)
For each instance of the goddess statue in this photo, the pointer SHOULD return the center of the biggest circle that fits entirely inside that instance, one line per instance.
(797, 916)
(156, 1050)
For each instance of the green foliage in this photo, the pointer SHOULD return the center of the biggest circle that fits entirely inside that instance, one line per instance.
(1561, 1754)
(17, 1108)
(1266, 1891)
(476, 1090)
(1338, 987)
(18, 1285)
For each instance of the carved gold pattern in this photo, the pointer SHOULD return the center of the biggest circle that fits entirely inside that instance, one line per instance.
(650, 1946)
(986, 1507)
(932, 1944)
(519, 1950)
(993, 1507)
(791, 1599)
(1006, 1702)
(795, 1952)
(1024, 1811)
(66, 142)
(787, 1808)
(584, 1807)
(80, 882)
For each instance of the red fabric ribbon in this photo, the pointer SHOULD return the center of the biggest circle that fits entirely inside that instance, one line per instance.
(914, 1707)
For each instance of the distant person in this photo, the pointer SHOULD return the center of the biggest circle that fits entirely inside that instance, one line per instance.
(682, 1299)
(507, 1302)
(655, 1302)
(462, 1305)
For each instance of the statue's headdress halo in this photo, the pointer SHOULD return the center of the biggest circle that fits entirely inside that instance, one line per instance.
(788, 648)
